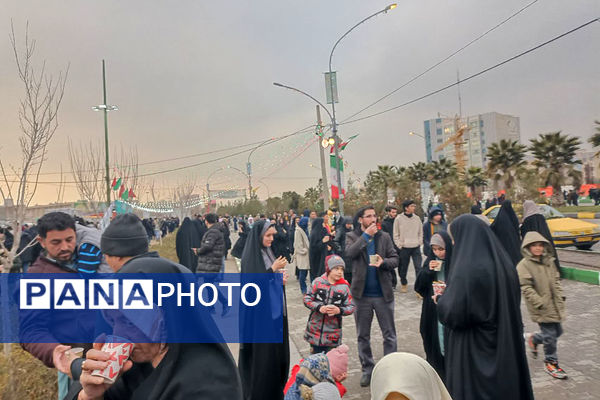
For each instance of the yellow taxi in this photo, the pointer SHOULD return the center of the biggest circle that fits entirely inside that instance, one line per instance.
(565, 231)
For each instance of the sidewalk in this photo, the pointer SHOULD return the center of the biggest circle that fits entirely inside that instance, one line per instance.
(579, 347)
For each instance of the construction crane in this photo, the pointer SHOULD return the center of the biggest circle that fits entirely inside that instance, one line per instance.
(457, 140)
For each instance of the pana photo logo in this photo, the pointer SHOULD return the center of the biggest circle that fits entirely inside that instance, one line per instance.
(101, 294)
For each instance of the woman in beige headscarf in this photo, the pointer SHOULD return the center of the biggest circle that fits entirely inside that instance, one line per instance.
(405, 376)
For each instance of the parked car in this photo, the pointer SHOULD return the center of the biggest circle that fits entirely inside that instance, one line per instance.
(565, 231)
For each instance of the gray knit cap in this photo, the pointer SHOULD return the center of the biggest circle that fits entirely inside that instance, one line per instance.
(438, 240)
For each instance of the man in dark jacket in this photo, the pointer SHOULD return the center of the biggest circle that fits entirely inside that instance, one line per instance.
(373, 257)
(387, 225)
(57, 236)
(212, 251)
(435, 223)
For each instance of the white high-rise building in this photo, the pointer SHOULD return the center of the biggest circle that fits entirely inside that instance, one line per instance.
(484, 129)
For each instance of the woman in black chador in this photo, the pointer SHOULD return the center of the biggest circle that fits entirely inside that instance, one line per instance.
(506, 228)
(264, 366)
(187, 239)
(319, 241)
(436, 268)
(485, 352)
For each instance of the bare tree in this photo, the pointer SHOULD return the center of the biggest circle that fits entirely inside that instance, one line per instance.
(87, 167)
(38, 120)
(182, 195)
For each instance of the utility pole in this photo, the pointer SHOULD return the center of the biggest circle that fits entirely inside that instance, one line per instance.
(105, 108)
(325, 189)
(106, 135)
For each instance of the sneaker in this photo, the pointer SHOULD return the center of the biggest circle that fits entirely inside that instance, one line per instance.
(531, 345)
(554, 371)
(365, 379)
(404, 288)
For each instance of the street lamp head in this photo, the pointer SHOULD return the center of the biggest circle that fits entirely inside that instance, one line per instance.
(391, 7)
(277, 84)
(411, 133)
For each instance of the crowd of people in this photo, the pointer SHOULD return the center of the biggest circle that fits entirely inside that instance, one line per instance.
(470, 286)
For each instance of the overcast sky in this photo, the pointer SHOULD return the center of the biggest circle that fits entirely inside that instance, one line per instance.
(196, 76)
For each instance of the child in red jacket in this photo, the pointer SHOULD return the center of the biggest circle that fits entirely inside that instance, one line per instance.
(329, 299)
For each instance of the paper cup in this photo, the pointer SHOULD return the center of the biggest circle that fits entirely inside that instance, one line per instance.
(438, 266)
(373, 259)
(75, 352)
(438, 287)
(119, 353)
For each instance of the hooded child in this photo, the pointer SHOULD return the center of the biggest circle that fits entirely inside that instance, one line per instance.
(534, 221)
(328, 299)
(480, 307)
(540, 285)
(338, 370)
(435, 271)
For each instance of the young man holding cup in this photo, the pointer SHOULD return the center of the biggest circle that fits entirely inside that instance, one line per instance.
(372, 255)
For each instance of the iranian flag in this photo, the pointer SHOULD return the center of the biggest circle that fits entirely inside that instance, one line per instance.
(335, 191)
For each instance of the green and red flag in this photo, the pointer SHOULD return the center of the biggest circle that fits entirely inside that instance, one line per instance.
(335, 191)
(116, 184)
(131, 194)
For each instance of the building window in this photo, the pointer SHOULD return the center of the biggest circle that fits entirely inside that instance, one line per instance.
(440, 140)
(481, 123)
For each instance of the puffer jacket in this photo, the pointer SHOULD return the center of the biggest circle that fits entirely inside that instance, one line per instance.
(212, 250)
(540, 282)
(321, 329)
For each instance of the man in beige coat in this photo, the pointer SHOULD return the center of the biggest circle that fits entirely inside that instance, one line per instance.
(540, 285)
(301, 248)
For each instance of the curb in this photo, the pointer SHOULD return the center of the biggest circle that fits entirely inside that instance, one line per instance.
(580, 275)
(582, 215)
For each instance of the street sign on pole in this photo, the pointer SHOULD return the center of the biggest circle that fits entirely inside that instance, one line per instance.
(331, 86)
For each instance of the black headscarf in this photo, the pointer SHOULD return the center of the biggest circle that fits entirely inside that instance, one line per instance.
(481, 310)
(429, 316)
(240, 244)
(318, 250)
(475, 209)
(200, 228)
(506, 228)
(186, 239)
(263, 366)
(188, 370)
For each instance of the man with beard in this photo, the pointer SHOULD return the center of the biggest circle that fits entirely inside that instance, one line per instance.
(372, 256)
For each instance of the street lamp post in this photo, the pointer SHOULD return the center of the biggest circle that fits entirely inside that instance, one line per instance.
(249, 165)
(106, 108)
(321, 153)
(334, 122)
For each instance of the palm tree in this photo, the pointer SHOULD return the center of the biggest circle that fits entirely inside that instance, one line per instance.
(595, 139)
(474, 178)
(555, 161)
(442, 170)
(384, 178)
(506, 159)
(417, 172)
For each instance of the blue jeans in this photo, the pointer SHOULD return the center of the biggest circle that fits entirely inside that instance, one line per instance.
(302, 278)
